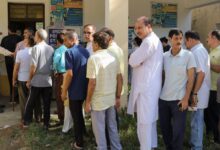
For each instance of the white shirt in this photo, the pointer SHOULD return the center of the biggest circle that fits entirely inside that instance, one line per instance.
(118, 52)
(175, 68)
(104, 67)
(203, 64)
(24, 59)
(89, 48)
(146, 61)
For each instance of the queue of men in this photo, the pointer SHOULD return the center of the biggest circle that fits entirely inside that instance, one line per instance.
(163, 85)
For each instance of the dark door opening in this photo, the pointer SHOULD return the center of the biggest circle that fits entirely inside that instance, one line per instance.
(22, 16)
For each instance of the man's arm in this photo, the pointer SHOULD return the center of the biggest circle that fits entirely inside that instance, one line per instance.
(215, 68)
(15, 73)
(118, 90)
(31, 74)
(142, 53)
(199, 80)
(90, 91)
(189, 86)
(66, 83)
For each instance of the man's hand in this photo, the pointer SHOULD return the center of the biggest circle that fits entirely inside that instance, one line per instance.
(12, 54)
(117, 103)
(14, 83)
(184, 104)
(87, 107)
(194, 101)
(28, 84)
(64, 95)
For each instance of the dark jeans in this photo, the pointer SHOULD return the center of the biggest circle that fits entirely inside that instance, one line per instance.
(78, 120)
(34, 100)
(211, 116)
(172, 123)
(60, 105)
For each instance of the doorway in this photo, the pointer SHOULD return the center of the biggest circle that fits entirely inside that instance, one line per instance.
(22, 16)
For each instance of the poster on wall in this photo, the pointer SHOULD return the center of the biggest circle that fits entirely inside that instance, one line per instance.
(66, 12)
(57, 12)
(53, 36)
(73, 4)
(73, 17)
(164, 14)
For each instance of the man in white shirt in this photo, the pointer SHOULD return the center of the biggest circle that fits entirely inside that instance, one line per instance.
(201, 87)
(146, 61)
(179, 65)
(88, 31)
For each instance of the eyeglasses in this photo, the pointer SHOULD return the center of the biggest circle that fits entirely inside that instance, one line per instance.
(87, 32)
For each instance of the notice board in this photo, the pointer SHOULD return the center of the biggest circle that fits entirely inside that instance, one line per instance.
(164, 14)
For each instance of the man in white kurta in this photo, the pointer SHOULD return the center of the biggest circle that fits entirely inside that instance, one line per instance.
(146, 62)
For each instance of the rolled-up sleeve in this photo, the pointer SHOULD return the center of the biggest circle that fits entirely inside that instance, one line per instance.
(199, 58)
(191, 61)
(69, 62)
(91, 69)
(34, 56)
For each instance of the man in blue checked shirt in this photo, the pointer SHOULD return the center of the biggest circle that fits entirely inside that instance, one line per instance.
(59, 69)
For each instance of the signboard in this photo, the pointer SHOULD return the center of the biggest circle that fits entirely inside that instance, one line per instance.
(73, 4)
(53, 36)
(66, 12)
(164, 14)
(73, 17)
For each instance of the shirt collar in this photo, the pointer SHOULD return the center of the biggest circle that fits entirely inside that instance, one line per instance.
(196, 46)
(98, 51)
(179, 54)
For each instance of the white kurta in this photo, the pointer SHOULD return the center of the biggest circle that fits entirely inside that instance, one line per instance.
(146, 61)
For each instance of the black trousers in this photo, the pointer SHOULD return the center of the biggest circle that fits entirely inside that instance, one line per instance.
(172, 123)
(211, 116)
(36, 93)
(78, 120)
(9, 62)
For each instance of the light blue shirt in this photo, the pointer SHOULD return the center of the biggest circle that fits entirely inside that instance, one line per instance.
(175, 68)
(59, 59)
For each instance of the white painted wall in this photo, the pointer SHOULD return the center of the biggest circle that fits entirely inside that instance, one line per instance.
(143, 8)
(94, 12)
(199, 3)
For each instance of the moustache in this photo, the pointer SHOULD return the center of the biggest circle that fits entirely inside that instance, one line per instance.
(179, 43)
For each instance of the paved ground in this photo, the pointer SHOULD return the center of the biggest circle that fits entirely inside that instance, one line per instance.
(10, 117)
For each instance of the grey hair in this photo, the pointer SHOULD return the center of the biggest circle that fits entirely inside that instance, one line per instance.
(71, 34)
(42, 34)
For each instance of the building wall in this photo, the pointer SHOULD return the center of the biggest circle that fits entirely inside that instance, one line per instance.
(204, 20)
(143, 8)
(94, 12)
